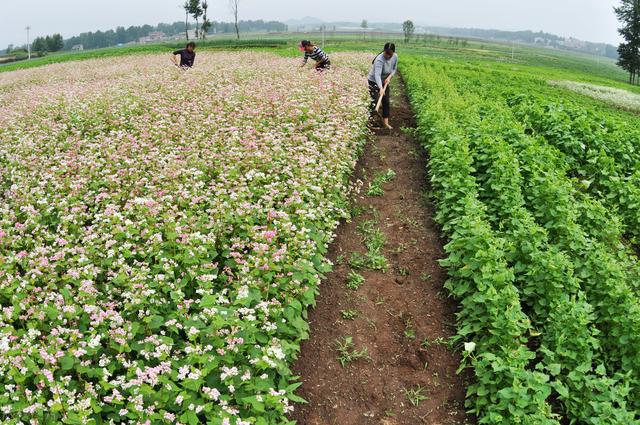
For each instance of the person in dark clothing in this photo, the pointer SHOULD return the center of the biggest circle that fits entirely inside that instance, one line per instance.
(385, 66)
(187, 56)
(317, 54)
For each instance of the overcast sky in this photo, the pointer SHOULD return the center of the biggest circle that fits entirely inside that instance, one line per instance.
(591, 20)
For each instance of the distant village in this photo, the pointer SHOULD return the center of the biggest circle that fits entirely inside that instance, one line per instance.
(151, 38)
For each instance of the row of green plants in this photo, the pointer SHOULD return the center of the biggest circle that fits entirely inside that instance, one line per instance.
(491, 322)
(558, 246)
(599, 153)
(589, 230)
(599, 220)
(557, 304)
(596, 142)
(605, 276)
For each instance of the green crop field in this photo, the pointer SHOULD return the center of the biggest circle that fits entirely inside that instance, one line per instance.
(537, 190)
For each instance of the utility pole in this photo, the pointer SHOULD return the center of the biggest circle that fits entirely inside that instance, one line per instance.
(324, 28)
(28, 42)
(513, 49)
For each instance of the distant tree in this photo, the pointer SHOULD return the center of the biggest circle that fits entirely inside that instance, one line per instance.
(364, 25)
(628, 14)
(234, 4)
(39, 46)
(121, 35)
(9, 48)
(54, 43)
(628, 60)
(187, 8)
(408, 28)
(206, 23)
(611, 52)
(196, 11)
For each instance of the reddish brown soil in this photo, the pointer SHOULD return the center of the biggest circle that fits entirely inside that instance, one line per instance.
(408, 298)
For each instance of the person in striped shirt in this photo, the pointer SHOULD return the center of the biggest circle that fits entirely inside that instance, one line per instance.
(317, 54)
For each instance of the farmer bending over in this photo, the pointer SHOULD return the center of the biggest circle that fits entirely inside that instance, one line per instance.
(384, 68)
(187, 56)
(317, 54)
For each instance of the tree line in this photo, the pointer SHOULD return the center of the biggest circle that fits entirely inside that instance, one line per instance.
(40, 45)
(121, 35)
(50, 43)
(629, 15)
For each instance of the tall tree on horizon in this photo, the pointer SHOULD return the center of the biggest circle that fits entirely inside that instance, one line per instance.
(196, 11)
(187, 7)
(54, 43)
(408, 28)
(628, 14)
(234, 4)
(39, 46)
(206, 23)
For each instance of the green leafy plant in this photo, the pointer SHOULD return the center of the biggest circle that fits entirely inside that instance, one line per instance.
(402, 247)
(375, 186)
(357, 261)
(415, 395)
(425, 277)
(355, 281)
(349, 314)
(375, 241)
(409, 332)
(377, 261)
(347, 352)
(403, 271)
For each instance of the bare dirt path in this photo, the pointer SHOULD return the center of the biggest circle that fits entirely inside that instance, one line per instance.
(398, 368)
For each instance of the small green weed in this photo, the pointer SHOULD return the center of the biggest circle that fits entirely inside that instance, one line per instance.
(354, 281)
(415, 395)
(347, 352)
(375, 186)
(349, 314)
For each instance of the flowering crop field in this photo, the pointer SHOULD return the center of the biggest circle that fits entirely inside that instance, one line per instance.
(163, 232)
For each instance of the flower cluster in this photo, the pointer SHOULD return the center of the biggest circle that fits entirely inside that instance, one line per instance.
(162, 233)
